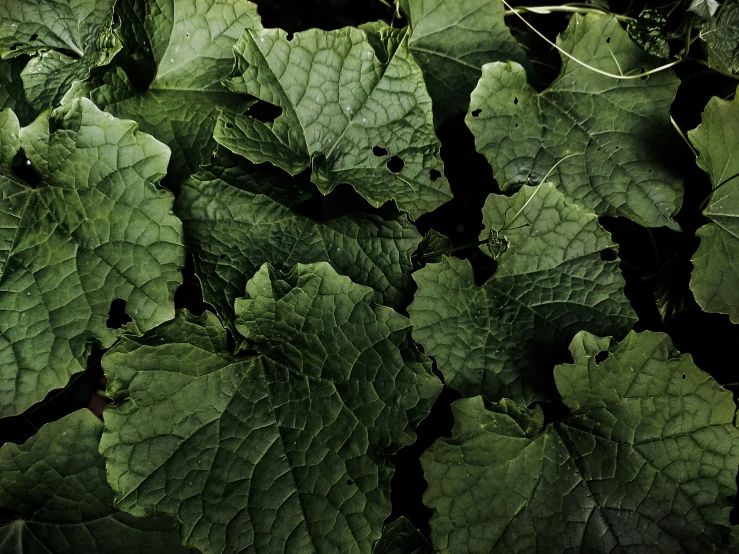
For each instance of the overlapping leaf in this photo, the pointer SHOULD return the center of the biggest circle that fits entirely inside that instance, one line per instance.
(238, 216)
(646, 460)
(12, 95)
(54, 497)
(550, 283)
(178, 51)
(452, 40)
(69, 38)
(354, 108)
(715, 278)
(721, 37)
(617, 127)
(282, 452)
(96, 228)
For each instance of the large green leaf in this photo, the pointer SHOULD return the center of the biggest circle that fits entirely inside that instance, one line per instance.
(96, 228)
(616, 127)
(715, 279)
(550, 283)
(452, 40)
(238, 216)
(280, 452)
(69, 38)
(180, 50)
(354, 108)
(400, 537)
(54, 497)
(645, 460)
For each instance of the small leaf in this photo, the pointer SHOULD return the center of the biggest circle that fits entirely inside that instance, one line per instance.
(280, 452)
(550, 283)
(649, 31)
(348, 98)
(617, 128)
(645, 460)
(400, 537)
(705, 9)
(721, 37)
(54, 497)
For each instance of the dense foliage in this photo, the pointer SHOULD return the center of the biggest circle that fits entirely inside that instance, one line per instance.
(389, 276)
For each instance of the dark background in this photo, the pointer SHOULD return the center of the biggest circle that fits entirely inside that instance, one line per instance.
(654, 262)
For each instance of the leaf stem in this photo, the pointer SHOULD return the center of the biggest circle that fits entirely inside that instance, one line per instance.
(590, 67)
(563, 8)
(683, 136)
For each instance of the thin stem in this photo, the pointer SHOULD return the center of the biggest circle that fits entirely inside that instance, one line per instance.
(721, 184)
(590, 67)
(567, 9)
(683, 136)
(709, 66)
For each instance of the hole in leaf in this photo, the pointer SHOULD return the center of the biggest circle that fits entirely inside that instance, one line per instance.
(290, 36)
(349, 482)
(34, 36)
(608, 255)
(395, 164)
(477, 112)
(644, 70)
(684, 377)
(229, 126)
(264, 112)
(117, 316)
(222, 257)
(25, 172)
(608, 40)
(434, 174)
(16, 45)
(601, 357)
(379, 151)
(515, 100)
(515, 124)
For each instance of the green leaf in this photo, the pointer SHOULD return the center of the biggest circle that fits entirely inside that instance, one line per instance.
(705, 9)
(649, 31)
(721, 38)
(69, 38)
(54, 497)
(452, 40)
(645, 460)
(281, 452)
(179, 51)
(96, 228)
(617, 128)
(354, 108)
(715, 278)
(236, 219)
(550, 283)
(400, 537)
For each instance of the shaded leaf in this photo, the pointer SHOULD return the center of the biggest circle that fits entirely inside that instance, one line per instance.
(715, 278)
(354, 108)
(181, 50)
(238, 216)
(280, 452)
(616, 128)
(96, 228)
(721, 37)
(68, 38)
(54, 497)
(551, 282)
(400, 537)
(645, 460)
(452, 40)
(12, 95)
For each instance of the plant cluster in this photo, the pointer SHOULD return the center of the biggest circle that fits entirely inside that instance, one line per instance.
(262, 244)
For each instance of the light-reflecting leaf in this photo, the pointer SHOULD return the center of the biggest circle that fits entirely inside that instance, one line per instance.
(177, 52)
(238, 216)
(354, 108)
(54, 497)
(715, 278)
(96, 228)
(550, 283)
(645, 460)
(280, 452)
(618, 129)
